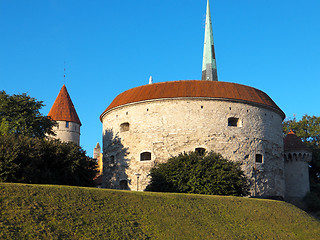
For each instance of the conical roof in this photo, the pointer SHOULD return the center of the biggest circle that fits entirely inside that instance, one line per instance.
(63, 109)
(293, 143)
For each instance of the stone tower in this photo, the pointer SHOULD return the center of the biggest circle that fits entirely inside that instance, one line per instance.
(297, 156)
(209, 66)
(64, 113)
(147, 125)
(98, 156)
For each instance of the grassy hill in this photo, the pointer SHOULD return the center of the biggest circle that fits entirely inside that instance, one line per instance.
(62, 212)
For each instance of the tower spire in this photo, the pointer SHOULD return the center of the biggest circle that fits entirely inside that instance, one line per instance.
(209, 66)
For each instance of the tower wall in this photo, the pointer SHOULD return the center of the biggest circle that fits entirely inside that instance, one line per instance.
(67, 132)
(297, 174)
(167, 127)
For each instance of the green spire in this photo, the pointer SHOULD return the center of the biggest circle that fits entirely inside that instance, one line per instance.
(209, 67)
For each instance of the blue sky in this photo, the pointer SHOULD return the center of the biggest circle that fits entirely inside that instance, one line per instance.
(111, 46)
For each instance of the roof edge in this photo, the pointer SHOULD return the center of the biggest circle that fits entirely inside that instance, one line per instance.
(280, 112)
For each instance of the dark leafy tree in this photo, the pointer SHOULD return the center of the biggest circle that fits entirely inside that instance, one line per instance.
(207, 173)
(20, 115)
(39, 161)
(26, 156)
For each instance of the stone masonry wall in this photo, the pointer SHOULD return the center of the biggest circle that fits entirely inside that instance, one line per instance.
(166, 128)
(70, 134)
(297, 174)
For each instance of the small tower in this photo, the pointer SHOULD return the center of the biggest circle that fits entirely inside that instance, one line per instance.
(209, 66)
(98, 156)
(64, 113)
(296, 167)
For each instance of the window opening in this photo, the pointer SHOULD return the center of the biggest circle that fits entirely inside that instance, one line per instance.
(112, 159)
(200, 151)
(233, 122)
(145, 156)
(124, 127)
(67, 124)
(124, 185)
(258, 158)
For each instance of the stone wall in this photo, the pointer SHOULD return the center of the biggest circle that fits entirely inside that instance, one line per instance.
(168, 127)
(67, 134)
(297, 174)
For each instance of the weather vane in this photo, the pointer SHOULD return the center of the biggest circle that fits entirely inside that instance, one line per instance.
(64, 72)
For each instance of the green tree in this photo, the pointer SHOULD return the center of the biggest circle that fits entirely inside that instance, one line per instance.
(20, 114)
(27, 156)
(40, 161)
(207, 173)
(308, 129)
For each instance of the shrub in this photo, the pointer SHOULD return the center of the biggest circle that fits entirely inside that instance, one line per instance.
(207, 173)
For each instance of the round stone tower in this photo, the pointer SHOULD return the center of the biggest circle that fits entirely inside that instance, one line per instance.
(64, 113)
(149, 124)
(297, 157)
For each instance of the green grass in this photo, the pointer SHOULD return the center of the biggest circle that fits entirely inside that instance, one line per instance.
(62, 212)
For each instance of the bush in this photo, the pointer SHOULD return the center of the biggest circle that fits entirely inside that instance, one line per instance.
(39, 161)
(207, 173)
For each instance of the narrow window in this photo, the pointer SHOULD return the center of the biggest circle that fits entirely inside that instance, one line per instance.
(112, 159)
(124, 127)
(233, 122)
(124, 185)
(67, 124)
(258, 158)
(145, 156)
(200, 151)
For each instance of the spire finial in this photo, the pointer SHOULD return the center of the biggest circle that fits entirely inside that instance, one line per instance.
(209, 67)
(150, 80)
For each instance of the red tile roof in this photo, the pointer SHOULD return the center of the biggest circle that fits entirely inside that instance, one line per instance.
(293, 143)
(194, 89)
(63, 109)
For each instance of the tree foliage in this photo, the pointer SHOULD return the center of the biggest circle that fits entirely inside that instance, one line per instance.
(40, 161)
(27, 156)
(20, 114)
(207, 173)
(308, 129)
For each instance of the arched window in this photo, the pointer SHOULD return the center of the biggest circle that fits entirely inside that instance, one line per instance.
(295, 156)
(124, 127)
(233, 122)
(145, 156)
(200, 151)
(124, 185)
(259, 158)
